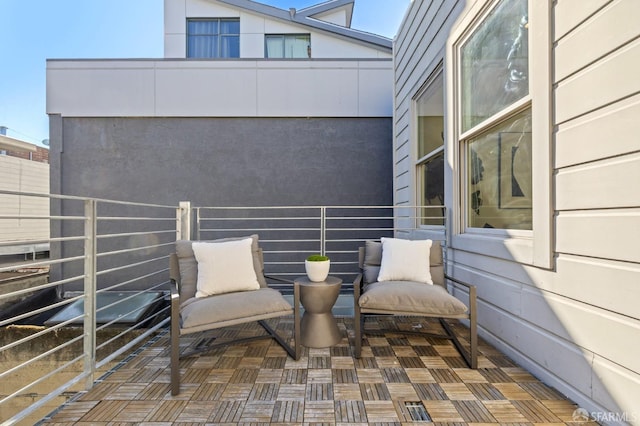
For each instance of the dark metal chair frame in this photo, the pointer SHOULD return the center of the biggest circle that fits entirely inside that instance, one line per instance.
(175, 330)
(470, 356)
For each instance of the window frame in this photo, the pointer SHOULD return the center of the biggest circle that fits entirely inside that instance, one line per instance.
(532, 247)
(284, 37)
(219, 35)
(421, 161)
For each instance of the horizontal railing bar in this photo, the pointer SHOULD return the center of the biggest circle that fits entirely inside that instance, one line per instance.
(133, 218)
(41, 217)
(257, 229)
(130, 265)
(35, 335)
(132, 343)
(45, 399)
(38, 311)
(133, 234)
(41, 356)
(40, 287)
(132, 280)
(124, 299)
(129, 250)
(258, 208)
(41, 379)
(78, 198)
(48, 240)
(224, 219)
(43, 263)
(117, 336)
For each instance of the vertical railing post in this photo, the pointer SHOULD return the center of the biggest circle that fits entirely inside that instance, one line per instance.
(90, 287)
(323, 230)
(183, 221)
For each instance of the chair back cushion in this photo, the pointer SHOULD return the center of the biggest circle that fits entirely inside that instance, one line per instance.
(189, 266)
(371, 259)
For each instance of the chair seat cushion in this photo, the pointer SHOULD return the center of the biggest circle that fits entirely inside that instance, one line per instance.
(199, 313)
(411, 298)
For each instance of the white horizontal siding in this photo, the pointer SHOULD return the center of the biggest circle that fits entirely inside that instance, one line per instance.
(22, 175)
(419, 49)
(569, 14)
(609, 80)
(596, 33)
(604, 234)
(574, 325)
(601, 184)
(588, 137)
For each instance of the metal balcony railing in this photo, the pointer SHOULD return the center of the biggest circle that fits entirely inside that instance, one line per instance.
(103, 290)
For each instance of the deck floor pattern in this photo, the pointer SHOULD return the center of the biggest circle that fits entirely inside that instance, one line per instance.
(258, 384)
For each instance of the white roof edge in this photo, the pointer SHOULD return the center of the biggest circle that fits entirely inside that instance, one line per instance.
(304, 19)
(328, 6)
(16, 145)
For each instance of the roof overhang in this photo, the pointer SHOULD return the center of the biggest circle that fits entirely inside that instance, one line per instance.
(12, 144)
(304, 17)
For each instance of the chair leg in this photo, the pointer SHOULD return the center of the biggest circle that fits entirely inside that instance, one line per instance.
(175, 357)
(174, 332)
(296, 321)
(358, 326)
(473, 328)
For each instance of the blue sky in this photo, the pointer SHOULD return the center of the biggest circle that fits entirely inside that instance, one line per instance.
(34, 30)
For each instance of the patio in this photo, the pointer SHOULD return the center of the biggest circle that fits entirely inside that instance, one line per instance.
(398, 378)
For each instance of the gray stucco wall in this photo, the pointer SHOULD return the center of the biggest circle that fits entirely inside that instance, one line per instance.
(210, 162)
(227, 161)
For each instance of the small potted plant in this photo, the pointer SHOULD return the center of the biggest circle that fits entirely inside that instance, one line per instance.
(317, 267)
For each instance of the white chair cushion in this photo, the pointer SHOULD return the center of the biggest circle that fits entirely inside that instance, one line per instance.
(405, 260)
(224, 267)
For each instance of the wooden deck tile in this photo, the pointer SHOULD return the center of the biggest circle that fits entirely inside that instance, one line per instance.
(346, 391)
(442, 411)
(291, 392)
(505, 412)
(474, 412)
(319, 412)
(374, 392)
(457, 391)
(419, 375)
(350, 412)
(259, 384)
(288, 412)
(404, 391)
(381, 412)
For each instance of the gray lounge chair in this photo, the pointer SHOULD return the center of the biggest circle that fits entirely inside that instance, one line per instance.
(408, 298)
(191, 314)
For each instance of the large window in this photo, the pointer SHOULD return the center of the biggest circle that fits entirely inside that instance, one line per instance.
(213, 38)
(496, 119)
(287, 46)
(429, 107)
(500, 126)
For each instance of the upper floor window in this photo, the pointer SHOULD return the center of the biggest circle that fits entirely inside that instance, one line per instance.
(429, 107)
(213, 38)
(495, 119)
(287, 46)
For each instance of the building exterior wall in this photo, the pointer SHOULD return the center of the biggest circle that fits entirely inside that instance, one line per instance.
(226, 161)
(23, 235)
(218, 162)
(229, 88)
(574, 324)
(253, 27)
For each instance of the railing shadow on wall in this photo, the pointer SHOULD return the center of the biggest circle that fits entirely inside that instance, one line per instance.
(107, 280)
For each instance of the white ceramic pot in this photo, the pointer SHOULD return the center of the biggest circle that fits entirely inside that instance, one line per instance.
(317, 271)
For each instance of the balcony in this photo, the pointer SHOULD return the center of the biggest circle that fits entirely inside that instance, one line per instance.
(108, 360)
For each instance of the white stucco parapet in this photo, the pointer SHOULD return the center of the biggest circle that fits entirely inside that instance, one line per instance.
(220, 88)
